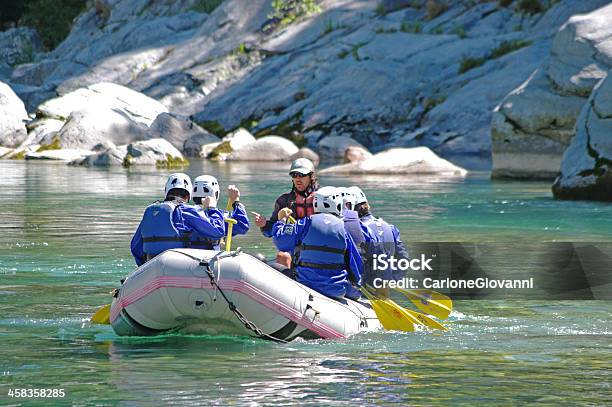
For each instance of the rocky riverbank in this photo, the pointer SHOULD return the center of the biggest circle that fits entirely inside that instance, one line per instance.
(334, 78)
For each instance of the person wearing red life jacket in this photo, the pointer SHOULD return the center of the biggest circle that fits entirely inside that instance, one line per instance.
(299, 199)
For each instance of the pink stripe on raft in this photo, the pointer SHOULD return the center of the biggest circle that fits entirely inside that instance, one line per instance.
(232, 285)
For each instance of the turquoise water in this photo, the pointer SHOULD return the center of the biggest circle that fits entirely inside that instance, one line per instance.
(64, 240)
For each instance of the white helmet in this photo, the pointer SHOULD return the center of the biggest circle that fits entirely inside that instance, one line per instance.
(328, 200)
(178, 180)
(359, 195)
(348, 197)
(205, 185)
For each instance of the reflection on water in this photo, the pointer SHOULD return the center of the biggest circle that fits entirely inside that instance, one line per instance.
(64, 245)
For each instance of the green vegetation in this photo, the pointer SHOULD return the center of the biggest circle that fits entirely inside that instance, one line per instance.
(223, 148)
(414, 27)
(54, 145)
(248, 123)
(460, 31)
(27, 56)
(329, 26)
(530, 6)
(290, 129)
(206, 6)
(380, 9)
(353, 51)
(213, 127)
(502, 49)
(19, 156)
(507, 47)
(172, 162)
(52, 19)
(127, 160)
(435, 8)
(468, 63)
(504, 3)
(240, 49)
(430, 103)
(287, 11)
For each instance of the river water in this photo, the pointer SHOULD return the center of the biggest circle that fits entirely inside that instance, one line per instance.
(64, 244)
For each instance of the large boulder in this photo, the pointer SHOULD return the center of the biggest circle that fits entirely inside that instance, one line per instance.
(231, 143)
(181, 132)
(157, 152)
(12, 118)
(269, 148)
(336, 146)
(137, 106)
(19, 45)
(586, 170)
(417, 161)
(86, 128)
(305, 152)
(108, 155)
(534, 124)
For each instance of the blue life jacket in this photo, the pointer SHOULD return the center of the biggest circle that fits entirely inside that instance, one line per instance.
(197, 241)
(384, 232)
(319, 258)
(158, 230)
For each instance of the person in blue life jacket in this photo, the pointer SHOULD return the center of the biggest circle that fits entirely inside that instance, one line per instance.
(206, 186)
(169, 224)
(387, 240)
(325, 257)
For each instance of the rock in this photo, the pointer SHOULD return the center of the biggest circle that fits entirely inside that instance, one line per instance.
(336, 146)
(239, 138)
(19, 45)
(4, 151)
(354, 153)
(12, 117)
(42, 129)
(534, 124)
(157, 152)
(181, 132)
(306, 152)
(86, 128)
(269, 148)
(110, 156)
(135, 105)
(200, 145)
(66, 155)
(586, 169)
(417, 161)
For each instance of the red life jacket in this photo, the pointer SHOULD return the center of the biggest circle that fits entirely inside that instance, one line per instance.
(304, 205)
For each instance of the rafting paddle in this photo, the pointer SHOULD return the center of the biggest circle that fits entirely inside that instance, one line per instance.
(390, 316)
(430, 302)
(230, 226)
(102, 315)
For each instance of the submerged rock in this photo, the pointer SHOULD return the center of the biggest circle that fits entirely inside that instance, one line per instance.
(419, 160)
(586, 170)
(12, 118)
(106, 157)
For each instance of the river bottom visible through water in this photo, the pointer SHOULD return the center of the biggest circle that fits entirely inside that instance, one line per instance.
(64, 244)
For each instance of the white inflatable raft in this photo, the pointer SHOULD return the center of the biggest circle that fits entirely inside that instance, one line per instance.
(195, 290)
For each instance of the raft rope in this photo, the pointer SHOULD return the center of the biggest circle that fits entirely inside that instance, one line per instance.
(213, 281)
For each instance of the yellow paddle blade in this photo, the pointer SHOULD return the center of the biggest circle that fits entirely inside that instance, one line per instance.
(390, 318)
(430, 302)
(102, 316)
(420, 318)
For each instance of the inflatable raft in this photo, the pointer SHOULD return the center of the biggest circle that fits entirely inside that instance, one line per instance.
(205, 291)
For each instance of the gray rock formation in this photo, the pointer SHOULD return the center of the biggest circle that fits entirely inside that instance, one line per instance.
(534, 124)
(157, 152)
(415, 161)
(586, 170)
(12, 118)
(19, 45)
(181, 132)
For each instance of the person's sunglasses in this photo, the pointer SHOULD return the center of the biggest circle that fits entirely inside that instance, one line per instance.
(298, 175)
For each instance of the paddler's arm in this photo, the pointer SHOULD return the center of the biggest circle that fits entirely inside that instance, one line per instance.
(208, 222)
(355, 263)
(136, 247)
